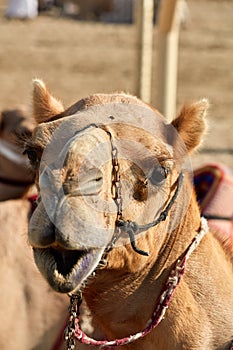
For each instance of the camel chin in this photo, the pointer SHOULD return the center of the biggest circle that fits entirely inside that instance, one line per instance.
(67, 270)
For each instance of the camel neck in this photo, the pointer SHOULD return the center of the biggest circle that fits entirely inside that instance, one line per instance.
(131, 289)
(176, 241)
(161, 305)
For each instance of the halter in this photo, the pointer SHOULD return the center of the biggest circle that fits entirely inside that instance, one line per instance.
(73, 329)
(130, 227)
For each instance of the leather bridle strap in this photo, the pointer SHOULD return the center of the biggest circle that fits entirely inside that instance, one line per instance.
(217, 217)
(132, 228)
(128, 226)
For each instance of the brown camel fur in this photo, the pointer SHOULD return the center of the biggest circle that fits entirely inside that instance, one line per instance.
(15, 177)
(76, 218)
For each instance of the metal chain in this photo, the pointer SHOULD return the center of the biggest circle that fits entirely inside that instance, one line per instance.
(75, 302)
(76, 299)
(116, 185)
(117, 197)
(116, 192)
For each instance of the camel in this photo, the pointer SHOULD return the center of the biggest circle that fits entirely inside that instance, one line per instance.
(118, 225)
(32, 315)
(15, 178)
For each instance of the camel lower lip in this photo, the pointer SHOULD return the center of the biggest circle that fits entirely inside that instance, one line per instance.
(66, 270)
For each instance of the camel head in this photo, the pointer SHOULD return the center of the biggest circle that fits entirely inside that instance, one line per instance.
(105, 160)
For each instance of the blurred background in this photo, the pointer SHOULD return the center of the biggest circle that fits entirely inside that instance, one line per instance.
(91, 46)
(83, 47)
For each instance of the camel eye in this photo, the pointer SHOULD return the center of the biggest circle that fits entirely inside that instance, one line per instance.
(158, 175)
(32, 156)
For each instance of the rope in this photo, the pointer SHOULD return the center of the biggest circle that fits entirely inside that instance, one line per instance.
(131, 227)
(161, 307)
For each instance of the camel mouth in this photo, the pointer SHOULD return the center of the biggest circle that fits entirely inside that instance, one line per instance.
(66, 260)
(66, 270)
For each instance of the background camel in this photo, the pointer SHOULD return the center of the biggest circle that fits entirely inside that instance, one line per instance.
(29, 306)
(15, 177)
(76, 218)
(31, 314)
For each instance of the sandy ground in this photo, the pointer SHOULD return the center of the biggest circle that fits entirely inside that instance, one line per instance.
(79, 58)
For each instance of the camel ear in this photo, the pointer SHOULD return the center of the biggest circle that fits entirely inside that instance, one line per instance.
(191, 124)
(45, 106)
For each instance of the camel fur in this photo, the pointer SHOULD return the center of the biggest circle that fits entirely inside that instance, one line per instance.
(32, 314)
(15, 177)
(122, 295)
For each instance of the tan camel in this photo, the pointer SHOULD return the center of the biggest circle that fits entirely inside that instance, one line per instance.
(110, 167)
(32, 315)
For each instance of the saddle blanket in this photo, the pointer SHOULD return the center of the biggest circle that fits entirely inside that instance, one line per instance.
(214, 188)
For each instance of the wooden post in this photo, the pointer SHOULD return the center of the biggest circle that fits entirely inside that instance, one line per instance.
(144, 12)
(168, 37)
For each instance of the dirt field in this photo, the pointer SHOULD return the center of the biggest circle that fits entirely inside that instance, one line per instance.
(78, 58)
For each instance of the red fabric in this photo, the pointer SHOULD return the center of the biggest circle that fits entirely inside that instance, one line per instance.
(33, 199)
